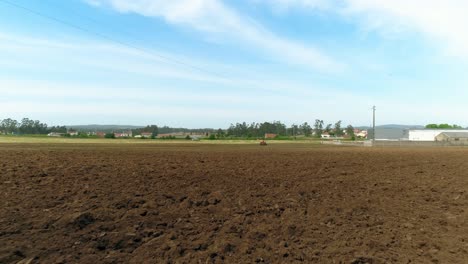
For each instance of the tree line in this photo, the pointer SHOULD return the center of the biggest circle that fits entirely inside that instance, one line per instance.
(443, 126)
(241, 130)
(258, 130)
(28, 126)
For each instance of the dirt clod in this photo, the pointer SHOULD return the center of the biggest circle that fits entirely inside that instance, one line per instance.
(83, 220)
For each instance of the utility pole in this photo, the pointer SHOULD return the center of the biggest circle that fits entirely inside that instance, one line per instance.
(373, 125)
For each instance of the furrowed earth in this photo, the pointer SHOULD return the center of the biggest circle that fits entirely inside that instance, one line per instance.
(196, 203)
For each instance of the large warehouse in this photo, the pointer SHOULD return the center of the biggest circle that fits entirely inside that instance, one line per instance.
(431, 134)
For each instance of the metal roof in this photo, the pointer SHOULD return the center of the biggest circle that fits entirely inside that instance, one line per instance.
(456, 134)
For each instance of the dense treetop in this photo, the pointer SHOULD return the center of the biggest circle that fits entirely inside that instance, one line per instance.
(443, 126)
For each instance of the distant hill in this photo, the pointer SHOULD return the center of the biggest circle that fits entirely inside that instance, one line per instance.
(393, 126)
(401, 126)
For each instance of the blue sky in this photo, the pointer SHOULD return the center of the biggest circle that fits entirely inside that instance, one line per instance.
(209, 63)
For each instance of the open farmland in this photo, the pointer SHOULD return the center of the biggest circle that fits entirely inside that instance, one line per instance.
(197, 203)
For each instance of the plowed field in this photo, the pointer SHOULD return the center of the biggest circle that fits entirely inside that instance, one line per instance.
(200, 203)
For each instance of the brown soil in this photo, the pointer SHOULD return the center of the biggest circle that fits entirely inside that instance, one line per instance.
(234, 204)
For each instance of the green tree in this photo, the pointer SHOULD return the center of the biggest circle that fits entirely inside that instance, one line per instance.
(220, 133)
(445, 126)
(109, 135)
(58, 129)
(9, 126)
(338, 130)
(83, 135)
(26, 126)
(306, 129)
(328, 128)
(432, 126)
(350, 131)
(294, 130)
(318, 128)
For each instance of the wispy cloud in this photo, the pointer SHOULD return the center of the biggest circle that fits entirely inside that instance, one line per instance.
(443, 21)
(93, 2)
(53, 90)
(92, 57)
(30, 52)
(214, 18)
(285, 5)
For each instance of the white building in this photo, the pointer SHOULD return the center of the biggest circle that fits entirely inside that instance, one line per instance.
(72, 132)
(429, 134)
(55, 134)
(361, 134)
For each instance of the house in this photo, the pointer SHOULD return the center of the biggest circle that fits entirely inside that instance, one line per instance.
(101, 134)
(146, 134)
(123, 134)
(326, 135)
(270, 136)
(72, 132)
(361, 134)
(452, 137)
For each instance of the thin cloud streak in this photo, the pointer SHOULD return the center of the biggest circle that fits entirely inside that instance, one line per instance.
(29, 53)
(214, 18)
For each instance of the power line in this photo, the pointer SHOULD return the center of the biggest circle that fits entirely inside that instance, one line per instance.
(77, 27)
(99, 23)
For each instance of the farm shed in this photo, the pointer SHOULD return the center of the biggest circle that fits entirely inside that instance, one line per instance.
(453, 136)
(146, 134)
(430, 134)
(270, 136)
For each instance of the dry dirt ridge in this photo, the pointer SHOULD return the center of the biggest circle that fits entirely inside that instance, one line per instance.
(232, 204)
